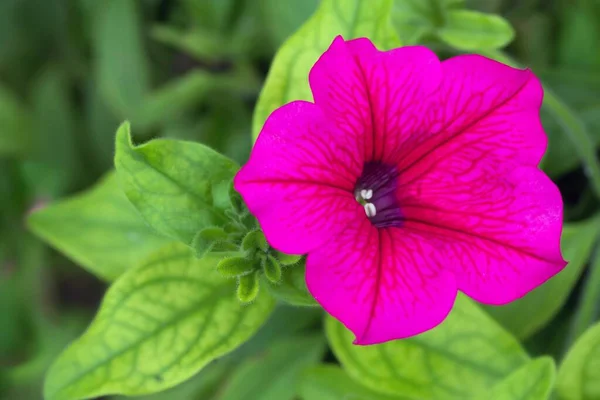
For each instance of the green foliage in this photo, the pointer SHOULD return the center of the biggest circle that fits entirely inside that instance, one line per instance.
(328, 382)
(192, 70)
(158, 325)
(525, 316)
(123, 73)
(292, 287)
(579, 374)
(287, 79)
(274, 376)
(466, 354)
(99, 229)
(171, 183)
(533, 381)
(469, 30)
(15, 125)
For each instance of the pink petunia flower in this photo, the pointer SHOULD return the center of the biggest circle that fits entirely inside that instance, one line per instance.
(406, 180)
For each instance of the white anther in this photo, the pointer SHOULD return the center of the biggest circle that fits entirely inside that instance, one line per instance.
(366, 194)
(370, 210)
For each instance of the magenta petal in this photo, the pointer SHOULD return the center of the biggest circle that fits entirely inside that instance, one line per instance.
(500, 235)
(383, 284)
(299, 179)
(474, 182)
(373, 96)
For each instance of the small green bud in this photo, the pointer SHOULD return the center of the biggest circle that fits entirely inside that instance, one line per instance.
(288, 259)
(271, 268)
(255, 240)
(231, 267)
(248, 287)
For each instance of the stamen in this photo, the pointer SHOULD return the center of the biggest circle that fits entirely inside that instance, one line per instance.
(366, 194)
(370, 210)
(375, 190)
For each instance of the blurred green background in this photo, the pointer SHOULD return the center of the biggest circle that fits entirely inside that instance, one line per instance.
(72, 70)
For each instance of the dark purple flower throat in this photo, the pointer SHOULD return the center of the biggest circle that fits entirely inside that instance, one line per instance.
(376, 191)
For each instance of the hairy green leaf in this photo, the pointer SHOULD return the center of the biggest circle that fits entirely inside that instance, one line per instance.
(328, 382)
(288, 77)
(466, 354)
(472, 30)
(98, 229)
(525, 316)
(274, 376)
(158, 325)
(579, 374)
(533, 381)
(170, 182)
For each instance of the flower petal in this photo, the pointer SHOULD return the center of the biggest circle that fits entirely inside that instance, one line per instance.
(482, 109)
(472, 178)
(300, 179)
(383, 284)
(372, 95)
(501, 234)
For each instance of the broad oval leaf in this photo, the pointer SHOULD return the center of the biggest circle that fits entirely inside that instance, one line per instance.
(98, 229)
(527, 315)
(466, 354)
(533, 381)
(329, 382)
(171, 183)
(288, 77)
(274, 375)
(158, 325)
(472, 30)
(579, 374)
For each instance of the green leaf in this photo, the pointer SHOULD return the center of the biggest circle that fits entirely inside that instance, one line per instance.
(288, 77)
(413, 19)
(54, 164)
(170, 183)
(274, 375)
(466, 354)
(472, 30)
(328, 382)
(201, 44)
(579, 374)
(588, 307)
(178, 96)
(292, 287)
(122, 66)
(525, 316)
(231, 267)
(533, 381)
(15, 127)
(282, 18)
(579, 37)
(248, 287)
(98, 229)
(157, 326)
(272, 269)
